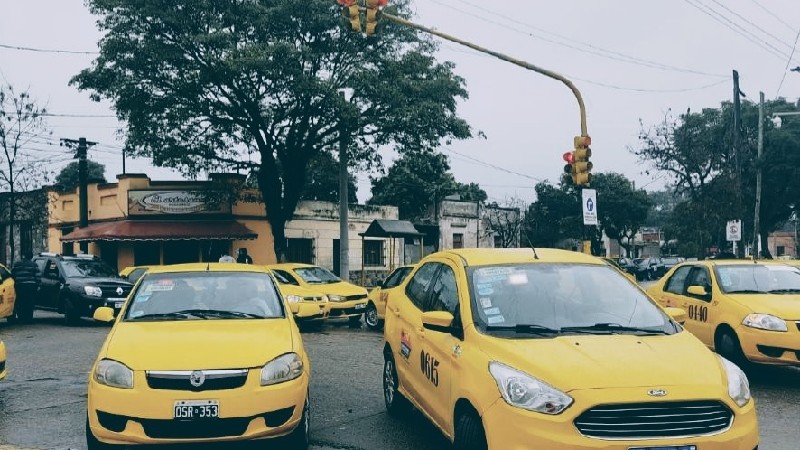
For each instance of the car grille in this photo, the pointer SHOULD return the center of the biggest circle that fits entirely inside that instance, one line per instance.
(314, 299)
(654, 420)
(176, 429)
(110, 290)
(355, 297)
(180, 380)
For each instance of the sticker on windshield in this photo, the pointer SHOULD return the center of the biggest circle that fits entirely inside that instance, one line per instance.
(485, 289)
(492, 320)
(492, 311)
(518, 278)
(486, 302)
(161, 286)
(490, 274)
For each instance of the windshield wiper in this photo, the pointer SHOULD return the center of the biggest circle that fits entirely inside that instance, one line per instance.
(163, 316)
(784, 291)
(612, 328)
(523, 328)
(218, 313)
(747, 291)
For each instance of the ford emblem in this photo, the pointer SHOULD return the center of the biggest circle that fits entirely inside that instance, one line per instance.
(656, 392)
(197, 378)
(119, 290)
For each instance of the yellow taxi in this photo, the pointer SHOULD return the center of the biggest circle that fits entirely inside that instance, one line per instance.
(745, 310)
(2, 360)
(376, 305)
(8, 295)
(204, 352)
(133, 273)
(345, 300)
(513, 349)
(293, 293)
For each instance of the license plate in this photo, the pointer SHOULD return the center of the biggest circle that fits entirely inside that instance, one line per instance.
(196, 409)
(118, 305)
(362, 306)
(666, 447)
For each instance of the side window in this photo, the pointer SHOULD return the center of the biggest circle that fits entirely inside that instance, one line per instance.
(284, 277)
(444, 295)
(396, 277)
(50, 269)
(677, 282)
(699, 276)
(417, 288)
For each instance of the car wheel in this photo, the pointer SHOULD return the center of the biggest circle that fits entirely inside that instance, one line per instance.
(299, 438)
(92, 443)
(727, 345)
(469, 433)
(71, 314)
(371, 318)
(396, 404)
(354, 321)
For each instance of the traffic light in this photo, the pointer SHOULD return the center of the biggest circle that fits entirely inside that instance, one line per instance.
(372, 16)
(352, 12)
(569, 168)
(581, 166)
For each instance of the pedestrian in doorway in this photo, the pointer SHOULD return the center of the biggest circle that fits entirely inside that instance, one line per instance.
(26, 283)
(227, 259)
(243, 257)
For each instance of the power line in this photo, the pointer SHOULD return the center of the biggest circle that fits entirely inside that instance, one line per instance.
(595, 50)
(46, 50)
(80, 116)
(486, 164)
(786, 70)
(773, 15)
(748, 21)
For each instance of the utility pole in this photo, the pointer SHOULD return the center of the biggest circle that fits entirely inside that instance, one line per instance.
(756, 217)
(737, 149)
(344, 235)
(81, 147)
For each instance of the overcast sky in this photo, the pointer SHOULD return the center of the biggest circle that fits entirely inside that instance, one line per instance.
(631, 59)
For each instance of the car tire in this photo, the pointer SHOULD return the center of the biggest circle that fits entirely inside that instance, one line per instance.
(71, 314)
(92, 443)
(469, 433)
(728, 346)
(396, 404)
(354, 321)
(299, 438)
(371, 318)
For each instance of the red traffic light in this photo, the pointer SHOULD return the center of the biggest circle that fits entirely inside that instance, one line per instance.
(569, 157)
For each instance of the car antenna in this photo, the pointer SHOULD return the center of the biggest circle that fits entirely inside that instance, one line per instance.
(534, 252)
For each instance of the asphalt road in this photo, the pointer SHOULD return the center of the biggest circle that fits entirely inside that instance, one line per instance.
(43, 399)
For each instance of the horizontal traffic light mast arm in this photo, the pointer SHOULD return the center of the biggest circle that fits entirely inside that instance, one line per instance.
(518, 62)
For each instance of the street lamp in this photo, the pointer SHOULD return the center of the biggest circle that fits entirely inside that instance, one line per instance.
(344, 233)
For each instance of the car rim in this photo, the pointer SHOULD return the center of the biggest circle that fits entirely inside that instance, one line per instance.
(371, 316)
(388, 382)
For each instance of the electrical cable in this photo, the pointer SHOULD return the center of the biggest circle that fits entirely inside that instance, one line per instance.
(786, 70)
(748, 21)
(46, 50)
(791, 27)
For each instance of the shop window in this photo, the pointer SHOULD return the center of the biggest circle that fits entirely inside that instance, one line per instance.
(458, 240)
(146, 254)
(213, 250)
(373, 253)
(299, 250)
(180, 252)
(781, 250)
(498, 241)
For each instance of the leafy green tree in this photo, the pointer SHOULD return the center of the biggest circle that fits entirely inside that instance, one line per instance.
(69, 177)
(208, 85)
(323, 180)
(556, 215)
(621, 209)
(417, 181)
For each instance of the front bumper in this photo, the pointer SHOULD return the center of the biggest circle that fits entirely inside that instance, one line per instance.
(87, 305)
(350, 308)
(324, 311)
(511, 428)
(3, 372)
(771, 347)
(145, 416)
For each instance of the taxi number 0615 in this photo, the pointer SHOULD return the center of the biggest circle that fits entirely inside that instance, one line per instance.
(698, 313)
(429, 366)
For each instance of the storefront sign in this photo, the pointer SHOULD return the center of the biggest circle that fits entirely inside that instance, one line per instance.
(150, 202)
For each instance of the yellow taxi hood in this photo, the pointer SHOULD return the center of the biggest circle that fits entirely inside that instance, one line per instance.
(291, 289)
(785, 306)
(610, 361)
(199, 344)
(340, 288)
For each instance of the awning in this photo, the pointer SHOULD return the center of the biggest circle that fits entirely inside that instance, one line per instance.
(391, 229)
(152, 230)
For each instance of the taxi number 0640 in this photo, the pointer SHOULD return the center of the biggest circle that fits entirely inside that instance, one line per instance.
(698, 313)
(429, 366)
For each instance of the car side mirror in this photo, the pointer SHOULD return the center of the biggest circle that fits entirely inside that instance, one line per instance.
(678, 314)
(697, 290)
(441, 321)
(305, 310)
(103, 314)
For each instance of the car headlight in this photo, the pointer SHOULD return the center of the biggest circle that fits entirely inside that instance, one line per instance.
(93, 291)
(738, 386)
(283, 368)
(765, 322)
(294, 298)
(335, 298)
(324, 298)
(524, 391)
(113, 373)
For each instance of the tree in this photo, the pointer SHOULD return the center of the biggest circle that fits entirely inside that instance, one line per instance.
(22, 127)
(553, 217)
(504, 222)
(323, 180)
(253, 85)
(417, 181)
(68, 178)
(621, 209)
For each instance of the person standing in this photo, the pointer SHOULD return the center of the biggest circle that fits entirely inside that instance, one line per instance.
(243, 257)
(26, 283)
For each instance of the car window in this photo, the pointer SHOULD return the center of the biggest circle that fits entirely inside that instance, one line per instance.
(444, 294)
(87, 268)
(417, 288)
(135, 274)
(677, 281)
(285, 277)
(396, 277)
(316, 275)
(557, 296)
(205, 295)
(50, 269)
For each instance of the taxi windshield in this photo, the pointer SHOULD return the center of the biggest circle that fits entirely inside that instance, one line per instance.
(547, 300)
(316, 275)
(758, 279)
(204, 295)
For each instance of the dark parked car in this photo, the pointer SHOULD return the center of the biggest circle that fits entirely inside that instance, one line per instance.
(669, 262)
(648, 268)
(77, 285)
